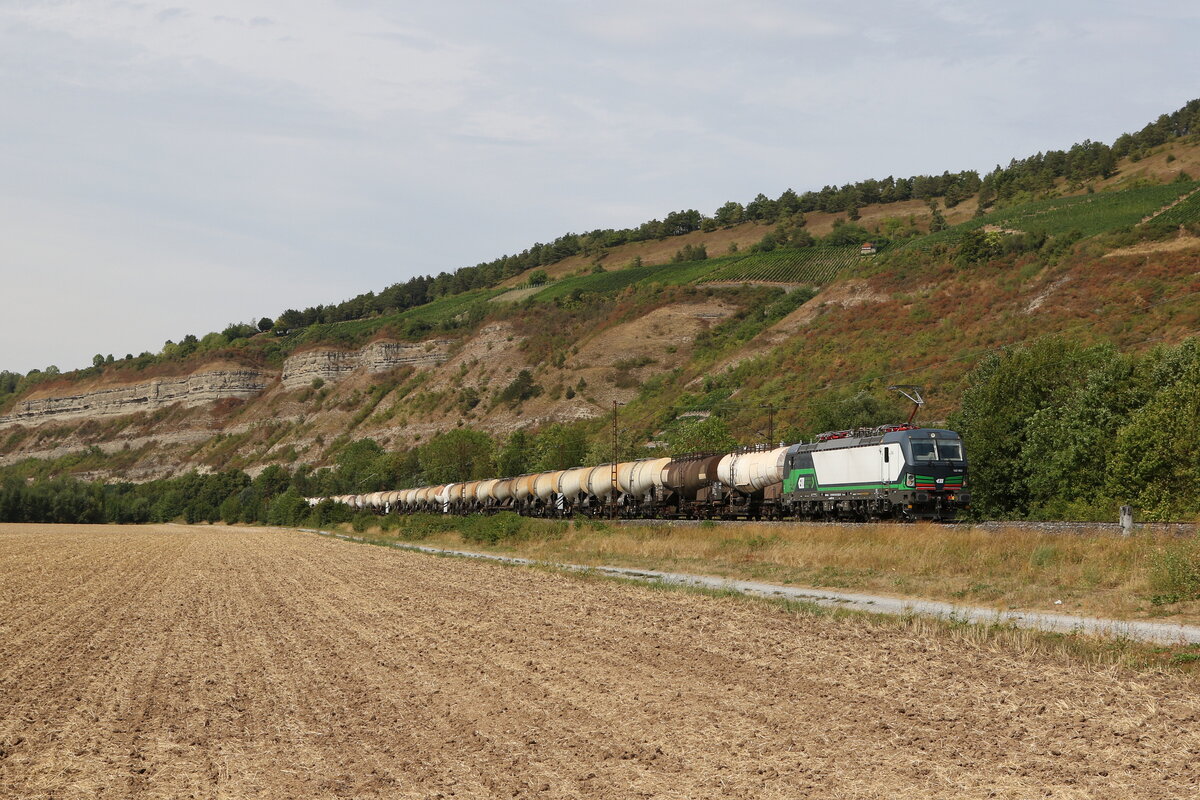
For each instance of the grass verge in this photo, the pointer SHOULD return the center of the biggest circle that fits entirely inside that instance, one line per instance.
(551, 541)
(1152, 577)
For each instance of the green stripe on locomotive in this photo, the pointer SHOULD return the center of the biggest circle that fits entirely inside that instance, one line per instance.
(792, 480)
(805, 480)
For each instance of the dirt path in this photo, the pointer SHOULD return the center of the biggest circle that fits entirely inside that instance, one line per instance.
(213, 663)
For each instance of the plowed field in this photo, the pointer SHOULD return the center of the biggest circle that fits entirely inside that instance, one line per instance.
(180, 662)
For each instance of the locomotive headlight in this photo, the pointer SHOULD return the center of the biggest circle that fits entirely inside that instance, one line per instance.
(910, 481)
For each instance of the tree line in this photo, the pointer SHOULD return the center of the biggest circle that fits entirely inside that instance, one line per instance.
(1054, 429)
(39, 491)
(1059, 430)
(1020, 178)
(1024, 178)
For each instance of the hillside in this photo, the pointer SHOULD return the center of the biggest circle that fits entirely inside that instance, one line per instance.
(801, 337)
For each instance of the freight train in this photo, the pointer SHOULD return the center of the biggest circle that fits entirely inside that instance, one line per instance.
(900, 472)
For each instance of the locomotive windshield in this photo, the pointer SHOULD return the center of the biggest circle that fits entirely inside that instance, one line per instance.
(949, 451)
(932, 450)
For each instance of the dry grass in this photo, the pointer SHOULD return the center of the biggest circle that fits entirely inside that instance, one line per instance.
(1096, 574)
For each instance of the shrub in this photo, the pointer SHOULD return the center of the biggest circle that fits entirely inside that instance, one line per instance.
(491, 529)
(1174, 572)
(422, 526)
(522, 388)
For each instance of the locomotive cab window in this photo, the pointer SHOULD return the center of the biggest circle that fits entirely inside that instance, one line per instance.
(950, 451)
(924, 450)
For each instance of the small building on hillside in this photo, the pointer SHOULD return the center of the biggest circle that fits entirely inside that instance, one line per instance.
(868, 249)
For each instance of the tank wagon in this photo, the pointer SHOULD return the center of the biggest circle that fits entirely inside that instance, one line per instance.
(895, 472)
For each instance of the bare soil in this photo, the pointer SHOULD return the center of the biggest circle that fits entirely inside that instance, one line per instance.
(1184, 242)
(167, 662)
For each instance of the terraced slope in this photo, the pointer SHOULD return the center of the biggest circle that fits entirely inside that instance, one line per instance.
(1184, 212)
(812, 266)
(1089, 214)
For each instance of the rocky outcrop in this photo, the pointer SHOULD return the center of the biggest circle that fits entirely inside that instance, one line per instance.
(332, 365)
(191, 390)
(211, 385)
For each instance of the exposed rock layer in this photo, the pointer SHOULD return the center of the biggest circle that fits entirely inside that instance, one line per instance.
(331, 365)
(209, 386)
(190, 390)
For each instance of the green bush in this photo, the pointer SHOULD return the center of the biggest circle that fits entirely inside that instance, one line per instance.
(1174, 572)
(421, 526)
(491, 529)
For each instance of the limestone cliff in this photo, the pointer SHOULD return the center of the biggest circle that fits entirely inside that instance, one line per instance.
(196, 389)
(208, 385)
(332, 365)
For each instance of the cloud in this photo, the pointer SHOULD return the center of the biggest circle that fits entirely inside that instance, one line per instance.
(360, 61)
(670, 23)
(305, 152)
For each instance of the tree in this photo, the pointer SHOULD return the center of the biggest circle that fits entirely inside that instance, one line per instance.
(729, 214)
(788, 203)
(678, 223)
(521, 389)
(1004, 393)
(766, 244)
(265, 324)
(359, 468)
(458, 455)
(538, 277)
(937, 222)
(289, 508)
(1068, 450)
(290, 319)
(710, 435)
(1154, 464)
(691, 252)
(847, 233)
(762, 208)
(559, 446)
(979, 246)
(516, 455)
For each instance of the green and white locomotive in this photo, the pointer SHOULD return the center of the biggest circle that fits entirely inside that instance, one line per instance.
(900, 472)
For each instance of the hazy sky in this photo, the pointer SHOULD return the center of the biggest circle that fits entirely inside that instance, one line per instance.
(171, 167)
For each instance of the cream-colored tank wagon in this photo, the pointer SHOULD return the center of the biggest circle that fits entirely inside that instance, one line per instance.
(899, 472)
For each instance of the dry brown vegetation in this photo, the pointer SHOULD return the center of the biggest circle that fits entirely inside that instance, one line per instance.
(177, 662)
(1099, 574)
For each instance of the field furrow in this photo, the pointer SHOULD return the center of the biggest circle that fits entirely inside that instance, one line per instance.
(237, 663)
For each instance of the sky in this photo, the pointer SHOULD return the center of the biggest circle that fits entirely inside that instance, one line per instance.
(171, 167)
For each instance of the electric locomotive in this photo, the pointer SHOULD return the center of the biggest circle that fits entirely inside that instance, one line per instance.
(898, 471)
